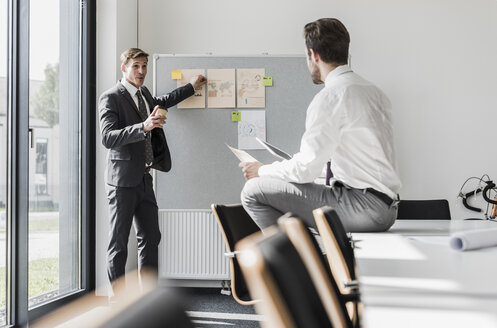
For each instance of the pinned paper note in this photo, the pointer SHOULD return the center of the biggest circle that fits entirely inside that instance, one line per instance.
(236, 116)
(176, 74)
(267, 81)
(198, 98)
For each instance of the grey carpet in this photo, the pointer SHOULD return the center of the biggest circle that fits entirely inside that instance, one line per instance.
(208, 308)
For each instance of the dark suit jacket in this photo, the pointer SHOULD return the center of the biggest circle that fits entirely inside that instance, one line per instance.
(122, 133)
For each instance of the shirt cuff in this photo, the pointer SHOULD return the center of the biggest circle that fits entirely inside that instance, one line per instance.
(262, 170)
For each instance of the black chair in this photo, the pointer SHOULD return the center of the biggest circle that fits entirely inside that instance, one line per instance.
(347, 290)
(285, 271)
(235, 224)
(432, 209)
(340, 255)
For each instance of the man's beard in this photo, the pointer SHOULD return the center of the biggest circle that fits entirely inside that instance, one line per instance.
(315, 75)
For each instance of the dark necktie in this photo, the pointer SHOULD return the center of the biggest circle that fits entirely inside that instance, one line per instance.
(329, 174)
(142, 108)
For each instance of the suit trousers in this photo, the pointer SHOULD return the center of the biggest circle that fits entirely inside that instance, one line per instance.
(266, 199)
(135, 205)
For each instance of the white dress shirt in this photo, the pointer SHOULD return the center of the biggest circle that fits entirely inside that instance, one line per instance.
(132, 91)
(349, 122)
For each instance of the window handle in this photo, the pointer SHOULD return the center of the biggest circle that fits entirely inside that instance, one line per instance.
(31, 137)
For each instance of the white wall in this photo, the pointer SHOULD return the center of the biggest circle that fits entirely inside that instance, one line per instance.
(116, 31)
(435, 59)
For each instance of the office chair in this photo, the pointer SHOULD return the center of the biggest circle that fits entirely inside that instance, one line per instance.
(235, 224)
(340, 256)
(432, 209)
(291, 279)
(302, 239)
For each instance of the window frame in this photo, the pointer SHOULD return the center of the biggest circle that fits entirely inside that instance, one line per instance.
(17, 313)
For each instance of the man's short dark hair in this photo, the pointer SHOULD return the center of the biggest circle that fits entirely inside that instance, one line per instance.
(329, 38)
(132, 53)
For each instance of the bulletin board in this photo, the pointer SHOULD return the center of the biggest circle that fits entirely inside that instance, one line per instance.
(204, 170)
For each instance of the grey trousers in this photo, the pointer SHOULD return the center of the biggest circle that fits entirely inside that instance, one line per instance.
(266, 199)
(133, 205)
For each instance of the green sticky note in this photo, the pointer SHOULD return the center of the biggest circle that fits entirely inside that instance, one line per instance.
(236, 116)
(267, 81)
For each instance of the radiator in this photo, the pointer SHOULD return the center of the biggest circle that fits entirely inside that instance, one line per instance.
(192, 246)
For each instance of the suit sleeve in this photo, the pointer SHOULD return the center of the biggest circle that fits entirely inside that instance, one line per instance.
(113, 134)
(176, 96)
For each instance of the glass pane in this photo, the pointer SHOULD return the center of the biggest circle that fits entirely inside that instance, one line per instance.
(3, 157)
(54, 151)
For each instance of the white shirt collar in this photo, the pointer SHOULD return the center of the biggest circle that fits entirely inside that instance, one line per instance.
(131, 88)
(339, 70)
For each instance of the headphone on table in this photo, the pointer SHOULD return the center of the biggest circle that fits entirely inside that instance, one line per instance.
(486, 193)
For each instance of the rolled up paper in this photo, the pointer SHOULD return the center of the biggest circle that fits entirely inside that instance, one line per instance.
(473, 239)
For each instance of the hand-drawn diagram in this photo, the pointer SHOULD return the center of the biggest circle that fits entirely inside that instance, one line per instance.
(250, 91)
(221, 88)
(252, 124)
(198, 98)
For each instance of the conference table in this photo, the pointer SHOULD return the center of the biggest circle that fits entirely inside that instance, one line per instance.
(410, 276)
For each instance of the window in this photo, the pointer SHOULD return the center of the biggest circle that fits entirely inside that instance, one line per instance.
(54, 120)
(47, 131)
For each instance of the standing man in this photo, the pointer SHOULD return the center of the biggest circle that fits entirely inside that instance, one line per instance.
(347, 122)
(131, 127)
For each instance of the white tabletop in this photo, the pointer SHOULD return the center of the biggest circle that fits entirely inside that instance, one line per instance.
(411, 269)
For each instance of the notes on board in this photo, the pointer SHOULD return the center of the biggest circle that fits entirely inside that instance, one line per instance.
(221, 88)
(251, 125)
(176, 74)
(267, 81)
(236, 116)
(250, 91)
(198, 98)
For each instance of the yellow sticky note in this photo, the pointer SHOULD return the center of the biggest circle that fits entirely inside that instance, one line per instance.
(176, 74)
(267, 81)
(236, 116)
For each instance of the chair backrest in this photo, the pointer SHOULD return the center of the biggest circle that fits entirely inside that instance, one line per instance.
(235, 224)
(323, 277)
(277, 276)
(337, 245)
(340, 256)
(432, 209)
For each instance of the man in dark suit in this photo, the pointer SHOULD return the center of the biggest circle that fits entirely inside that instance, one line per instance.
(131, 124)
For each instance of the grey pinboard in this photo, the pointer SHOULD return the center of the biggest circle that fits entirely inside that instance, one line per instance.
(204, 170)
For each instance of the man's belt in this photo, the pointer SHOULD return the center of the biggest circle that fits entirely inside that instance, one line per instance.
(387, 200)
(383, 197)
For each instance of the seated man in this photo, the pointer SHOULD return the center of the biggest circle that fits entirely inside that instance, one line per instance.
(347, 122)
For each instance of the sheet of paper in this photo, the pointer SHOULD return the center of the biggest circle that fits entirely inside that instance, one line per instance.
(221, 88)
(250, 91)
(274, 150)
(251, 125)
(436, 240)
(198, 98)
(242, 155)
